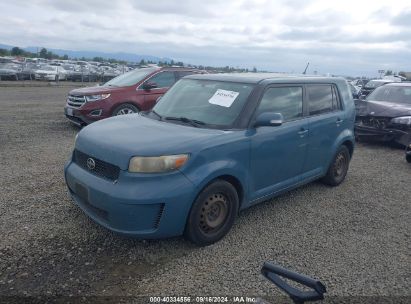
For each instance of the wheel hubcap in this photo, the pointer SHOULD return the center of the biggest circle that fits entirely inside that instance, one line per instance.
(340, 165)
(125, 111)
(213, 213)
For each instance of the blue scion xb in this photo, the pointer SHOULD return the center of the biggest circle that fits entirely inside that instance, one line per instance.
(212, 146)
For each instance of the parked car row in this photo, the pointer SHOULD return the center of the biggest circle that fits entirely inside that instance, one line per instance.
(361, 88)
(55, 70)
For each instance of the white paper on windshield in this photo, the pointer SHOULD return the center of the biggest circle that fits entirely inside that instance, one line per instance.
(223, 98)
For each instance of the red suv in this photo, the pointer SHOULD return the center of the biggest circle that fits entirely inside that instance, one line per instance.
(131, 92)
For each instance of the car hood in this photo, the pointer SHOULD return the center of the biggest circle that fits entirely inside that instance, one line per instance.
(95, 90)
(382, 108)
(117, 139)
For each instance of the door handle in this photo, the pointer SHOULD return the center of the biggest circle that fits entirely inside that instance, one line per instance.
(302, 131)
(339, 120)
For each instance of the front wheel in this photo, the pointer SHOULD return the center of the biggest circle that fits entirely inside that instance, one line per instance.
(212, 214)
(125, 109)
(338, 169)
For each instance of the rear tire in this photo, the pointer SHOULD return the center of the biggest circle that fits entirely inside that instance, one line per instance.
(124, 109)
(338, 168)
(212, 214)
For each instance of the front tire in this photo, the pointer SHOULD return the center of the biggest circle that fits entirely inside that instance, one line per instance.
(212, 214)
(338, 168)
(125, 109)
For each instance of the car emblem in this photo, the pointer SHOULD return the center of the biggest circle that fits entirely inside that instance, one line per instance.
(91, 164)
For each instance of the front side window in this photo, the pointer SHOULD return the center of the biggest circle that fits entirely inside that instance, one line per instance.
(320, 99)
(163, 79)
(285, 100)
(212, 102)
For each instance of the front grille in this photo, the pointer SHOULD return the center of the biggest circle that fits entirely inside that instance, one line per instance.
(102, 168)
(76, 101)
(375, 122)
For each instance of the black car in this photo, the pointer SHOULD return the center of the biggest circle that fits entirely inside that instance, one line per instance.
(386, 114)
(371, 86)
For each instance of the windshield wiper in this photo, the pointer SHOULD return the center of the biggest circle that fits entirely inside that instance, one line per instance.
(158, 115)
(193, 122)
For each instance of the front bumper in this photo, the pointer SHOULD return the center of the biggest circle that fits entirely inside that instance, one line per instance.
(384, 135)
(145, 206)
(79, 116)
(44, 77)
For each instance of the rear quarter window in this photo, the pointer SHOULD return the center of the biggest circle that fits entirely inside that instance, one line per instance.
(322, 98)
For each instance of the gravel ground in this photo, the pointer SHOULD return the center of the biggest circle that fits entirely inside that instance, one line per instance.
(355, 238)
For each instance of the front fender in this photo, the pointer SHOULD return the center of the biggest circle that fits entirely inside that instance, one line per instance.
(207, 172)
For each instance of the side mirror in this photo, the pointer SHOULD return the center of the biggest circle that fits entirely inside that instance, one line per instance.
(149, 85)
(269, 119)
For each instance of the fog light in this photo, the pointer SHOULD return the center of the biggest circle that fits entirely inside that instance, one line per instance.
(96, 112)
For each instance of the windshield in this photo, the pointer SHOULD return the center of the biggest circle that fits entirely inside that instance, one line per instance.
(397, 94)
(374, 84)
(211, 102)
(130, 78)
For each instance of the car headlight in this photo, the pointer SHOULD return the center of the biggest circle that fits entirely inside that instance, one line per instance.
(157, 164)
(96, 97)
(405, 120)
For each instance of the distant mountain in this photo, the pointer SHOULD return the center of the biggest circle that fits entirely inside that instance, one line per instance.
(130, 57)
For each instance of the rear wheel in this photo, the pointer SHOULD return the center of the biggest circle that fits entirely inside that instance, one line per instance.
(212, 214)
(125, 109)
(338, 169)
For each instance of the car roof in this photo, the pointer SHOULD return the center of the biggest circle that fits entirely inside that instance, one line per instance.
(382, 80)
(398, 84)
(254, 78)
(177, 69)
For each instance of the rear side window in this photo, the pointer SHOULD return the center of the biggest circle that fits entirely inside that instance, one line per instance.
(322, 99)
(163, 79)
(285, 100)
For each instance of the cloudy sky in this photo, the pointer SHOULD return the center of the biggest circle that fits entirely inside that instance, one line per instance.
(341, 37)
